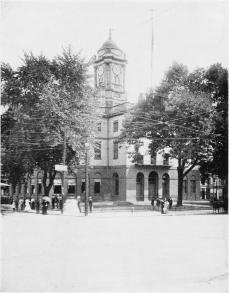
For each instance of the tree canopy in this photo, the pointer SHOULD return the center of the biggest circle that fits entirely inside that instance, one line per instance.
(49, 102)
(180, 115)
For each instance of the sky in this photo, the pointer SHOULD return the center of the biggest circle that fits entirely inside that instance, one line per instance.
(193, 33)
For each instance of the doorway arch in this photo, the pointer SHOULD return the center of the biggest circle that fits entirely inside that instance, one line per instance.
(165, 185)
(140, 187)
(153, 185)
(115, 193)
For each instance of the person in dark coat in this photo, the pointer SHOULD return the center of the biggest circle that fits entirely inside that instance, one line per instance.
(162, 206)
(44, 207)
(90, 201)
(16, 203)
(158, 203)
(152, 202)
(53, 202)
(170, 203)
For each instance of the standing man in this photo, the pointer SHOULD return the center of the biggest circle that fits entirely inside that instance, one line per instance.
(78, 203)
(152, 202)
(170, 203)
(53, 202)
(90, 203)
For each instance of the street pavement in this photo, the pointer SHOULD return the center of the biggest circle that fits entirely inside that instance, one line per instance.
(114, 252)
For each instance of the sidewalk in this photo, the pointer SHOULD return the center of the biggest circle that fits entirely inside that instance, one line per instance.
(116, 213)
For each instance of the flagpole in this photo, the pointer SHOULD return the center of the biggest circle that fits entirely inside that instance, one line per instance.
(152, 43)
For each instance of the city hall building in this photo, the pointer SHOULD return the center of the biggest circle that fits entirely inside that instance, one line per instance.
(112, 175)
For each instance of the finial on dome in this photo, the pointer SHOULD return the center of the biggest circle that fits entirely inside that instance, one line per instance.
(110, 30)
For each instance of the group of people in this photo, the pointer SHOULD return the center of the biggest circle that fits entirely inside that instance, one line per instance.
(90, 202)
(29, 203)
(56, 202)
(23, 204)
(164, 204)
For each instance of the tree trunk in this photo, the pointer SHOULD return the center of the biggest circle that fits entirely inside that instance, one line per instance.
(180, 172)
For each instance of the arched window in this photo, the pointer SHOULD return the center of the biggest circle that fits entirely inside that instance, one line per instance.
(153, 185)
(140, 187)
(185, 185)
(193, 184)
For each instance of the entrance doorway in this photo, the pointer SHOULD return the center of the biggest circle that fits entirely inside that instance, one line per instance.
(140, 187)
(153, 185)
(115, 193)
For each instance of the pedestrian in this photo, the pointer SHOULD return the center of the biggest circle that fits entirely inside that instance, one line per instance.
(16, 203)
(158, 204)
(78, 203)
(44, 206)
(13, 205)
(20, 205)
(170, 203)
(27, 205)
(166, 204)
(90, 201)
(32, 203)
(53, 202)
(162, 206)
(152, 202)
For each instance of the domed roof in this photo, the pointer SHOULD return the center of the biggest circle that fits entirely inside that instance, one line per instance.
(109, 44)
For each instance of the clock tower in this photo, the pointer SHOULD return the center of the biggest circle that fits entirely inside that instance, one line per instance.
(109, 70)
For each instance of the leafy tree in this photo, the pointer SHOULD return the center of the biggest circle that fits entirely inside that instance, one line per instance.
(50, 102)
(216, 80)
(179, 116)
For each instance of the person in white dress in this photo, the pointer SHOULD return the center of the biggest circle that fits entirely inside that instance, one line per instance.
(27, 205)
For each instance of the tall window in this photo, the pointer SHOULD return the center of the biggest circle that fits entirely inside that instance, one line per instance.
(117, 80)
(193, 184)
(99, 128)
(115, 150)
(97, 186)
(185, 185)
(115, 126)
(140, 159)
(97, 150)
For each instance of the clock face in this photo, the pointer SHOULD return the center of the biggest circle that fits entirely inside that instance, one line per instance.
(116, 69)
(100, 70)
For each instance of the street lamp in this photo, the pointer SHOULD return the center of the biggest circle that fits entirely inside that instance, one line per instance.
(86, 178)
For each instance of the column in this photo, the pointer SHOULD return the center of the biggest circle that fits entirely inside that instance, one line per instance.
(110, 83)
(160, 185)
(124, 78)
(146, 189)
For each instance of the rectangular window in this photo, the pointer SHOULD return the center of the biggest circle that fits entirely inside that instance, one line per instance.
(97, 187)
(99, 126)
(115, 126)
(115, 150)
(153, 159)
(140, 159)
(97, 150)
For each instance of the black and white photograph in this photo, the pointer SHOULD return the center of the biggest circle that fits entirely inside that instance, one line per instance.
(114, 146)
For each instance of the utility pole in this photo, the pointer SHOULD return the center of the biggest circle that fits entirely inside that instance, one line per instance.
(86, 179)
(63, 180)
(152, 43)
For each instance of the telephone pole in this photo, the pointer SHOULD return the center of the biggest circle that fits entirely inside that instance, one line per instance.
(86, 178)
(64, 159)
(152, 43)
